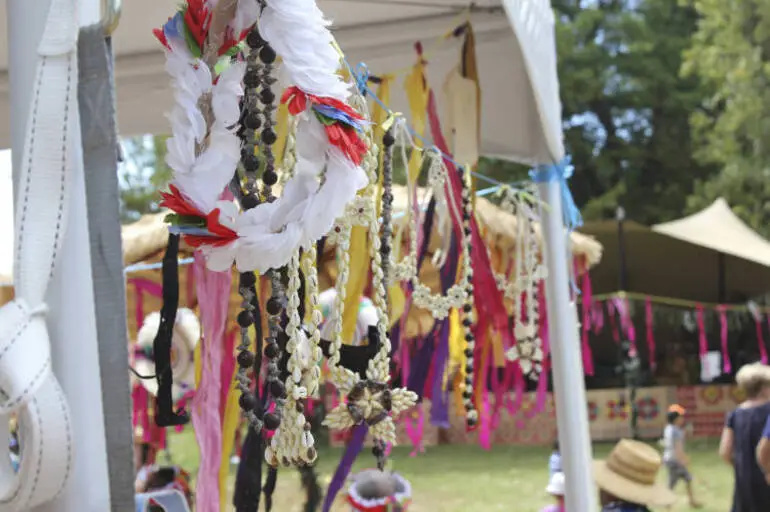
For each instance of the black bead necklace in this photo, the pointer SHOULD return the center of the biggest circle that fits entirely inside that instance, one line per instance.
(249, 315)
(471, 414)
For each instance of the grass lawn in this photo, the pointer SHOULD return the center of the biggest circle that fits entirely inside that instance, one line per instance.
(469, 479)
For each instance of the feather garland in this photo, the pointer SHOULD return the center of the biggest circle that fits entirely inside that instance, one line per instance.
(203, 152)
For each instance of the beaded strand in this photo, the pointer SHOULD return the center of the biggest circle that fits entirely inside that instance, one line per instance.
(250, 122)
(471, 414)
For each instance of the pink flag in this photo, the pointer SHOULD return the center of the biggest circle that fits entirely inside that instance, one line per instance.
(649, 320)
(726, 366)
(702, 343)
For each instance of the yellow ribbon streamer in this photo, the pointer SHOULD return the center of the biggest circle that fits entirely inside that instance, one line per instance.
(230, 424)
(417, 95)
(357, 279)
(282, 133)
(456, 345)
(198, 364)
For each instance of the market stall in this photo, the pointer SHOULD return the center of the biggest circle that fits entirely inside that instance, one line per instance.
(328, 157)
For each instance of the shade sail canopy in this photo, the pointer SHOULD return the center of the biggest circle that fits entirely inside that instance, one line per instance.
(518, 121)
(691, 259)
(718, 228)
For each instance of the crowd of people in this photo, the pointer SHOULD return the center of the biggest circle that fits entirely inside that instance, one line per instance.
(628, 478)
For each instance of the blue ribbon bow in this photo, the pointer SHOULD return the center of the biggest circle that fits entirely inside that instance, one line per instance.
(561, 172)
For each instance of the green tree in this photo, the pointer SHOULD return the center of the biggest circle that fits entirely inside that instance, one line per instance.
(625, 106)
(731, 128)
(141, 174)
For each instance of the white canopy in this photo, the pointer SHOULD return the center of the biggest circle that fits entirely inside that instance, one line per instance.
(718, 228)
(517, 123)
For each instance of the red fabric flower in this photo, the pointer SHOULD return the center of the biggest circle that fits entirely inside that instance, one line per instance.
(347, 140)
(177, 203)
(161, 36)
(231, 41)
(222, 235)
(197, 18)
(196, 241)
(295, 100)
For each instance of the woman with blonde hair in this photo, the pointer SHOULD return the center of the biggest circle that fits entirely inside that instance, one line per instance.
(742, 434)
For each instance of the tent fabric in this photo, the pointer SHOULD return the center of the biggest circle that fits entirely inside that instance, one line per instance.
(519, 122)
(718, 228)
(683, 259)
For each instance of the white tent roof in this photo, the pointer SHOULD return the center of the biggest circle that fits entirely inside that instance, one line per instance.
(517, 122)
(718, 228)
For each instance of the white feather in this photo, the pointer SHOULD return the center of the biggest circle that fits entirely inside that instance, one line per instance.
(297, 30)
(246, 15)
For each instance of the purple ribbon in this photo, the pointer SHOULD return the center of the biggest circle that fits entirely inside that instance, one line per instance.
(354, 447)
(439, 411)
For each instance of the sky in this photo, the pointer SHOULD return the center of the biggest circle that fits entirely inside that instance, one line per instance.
(6, 215)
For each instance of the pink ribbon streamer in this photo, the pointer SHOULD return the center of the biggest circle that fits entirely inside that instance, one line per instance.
(213, 290)
(761, 341)
(514, 405)
(726, 366)
(142, 286)
(588, 357)
(485, 423)
(649, 327)
(613, 322)
(485, 419)
(227, 370)
(626, 323)
(703, 346)
(597, 317)
(415, 432)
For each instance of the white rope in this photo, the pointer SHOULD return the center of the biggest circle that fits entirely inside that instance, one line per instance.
(28, 386)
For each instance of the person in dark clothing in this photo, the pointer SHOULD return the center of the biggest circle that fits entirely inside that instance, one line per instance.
(741, 435)
(763, 451)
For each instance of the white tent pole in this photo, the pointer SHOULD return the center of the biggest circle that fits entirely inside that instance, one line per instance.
(567, 368)
(71, 321)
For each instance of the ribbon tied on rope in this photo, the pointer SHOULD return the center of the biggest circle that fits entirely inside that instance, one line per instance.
(561, 172)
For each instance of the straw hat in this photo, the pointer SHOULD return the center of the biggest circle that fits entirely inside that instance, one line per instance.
(187, 332)
(556, 485)
(629, 473)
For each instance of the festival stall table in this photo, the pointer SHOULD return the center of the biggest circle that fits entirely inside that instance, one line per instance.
(518, 118)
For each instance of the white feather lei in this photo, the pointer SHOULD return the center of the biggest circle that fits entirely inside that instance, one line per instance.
(324, 180)
(270, 233)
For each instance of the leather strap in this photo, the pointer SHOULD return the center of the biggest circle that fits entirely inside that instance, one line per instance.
(28, 386)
